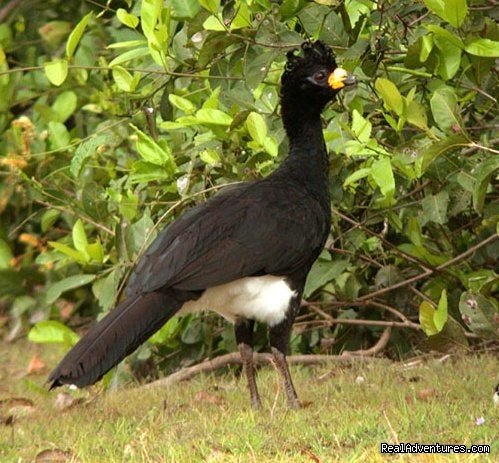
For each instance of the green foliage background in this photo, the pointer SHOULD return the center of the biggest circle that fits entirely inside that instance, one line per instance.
(114, 118)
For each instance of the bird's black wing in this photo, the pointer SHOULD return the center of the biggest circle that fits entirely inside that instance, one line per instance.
(256, 228)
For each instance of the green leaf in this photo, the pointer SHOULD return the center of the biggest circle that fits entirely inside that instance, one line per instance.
(483, 173)
(154, 152)
(390, 95)
(5, 255)
(361, 127)
(435, 207)
(150, 11)
(129, 55)
(48, 219)
(211, 5)
(185, 9)
(194, 332)
(257, 127)
(64, 105)
(54, 32)
(450, 58)
(455, 11)
(214, 23)
(443, 105)
(127, 18)
(213, 116)
(288, 8)
(67, 284)
(483, 47)
(435, 149)
(426, 47)
(382, 174)
(414, 232)
(52, 331)
(56, 71)
(95, 252)
(85, 150)
(452, 11)
(167, 334)
(445, 34)
(12, 282)
(441, 315)
(123, 79)
(323, 272)
(58, 135)
(480, 314)
(144, 172)
(75, 36)
(140, 234)
(427, 318)
(128, 205)
(356, 9)
(242, 18)
(480, 280)
(127, 44)
(359, 174)
(213, 100)
(209, 156)
(416, 115)
(105, 289)
(271, 146)
(68, 251)
(80, 241)
(182, 103)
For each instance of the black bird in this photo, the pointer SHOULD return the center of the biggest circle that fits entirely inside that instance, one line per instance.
(245, 253)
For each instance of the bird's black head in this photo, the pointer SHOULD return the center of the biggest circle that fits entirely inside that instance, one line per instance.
(312, 77)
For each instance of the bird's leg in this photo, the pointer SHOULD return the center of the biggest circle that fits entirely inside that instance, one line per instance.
(244, 337)
(279, 338)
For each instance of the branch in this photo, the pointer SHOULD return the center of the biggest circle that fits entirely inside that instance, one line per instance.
(405, 323)
(429, 272)
(394, 248)
(374, 350)
(360, 322)
(5, 11)
(234, 358)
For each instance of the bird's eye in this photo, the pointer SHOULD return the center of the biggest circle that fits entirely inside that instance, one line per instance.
(320, 76)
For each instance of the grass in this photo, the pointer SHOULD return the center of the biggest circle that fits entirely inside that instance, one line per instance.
(349, 412)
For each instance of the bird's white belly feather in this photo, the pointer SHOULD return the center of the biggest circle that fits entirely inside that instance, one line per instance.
(264, 298)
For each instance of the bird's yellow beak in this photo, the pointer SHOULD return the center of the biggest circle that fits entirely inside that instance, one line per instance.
(340, 78)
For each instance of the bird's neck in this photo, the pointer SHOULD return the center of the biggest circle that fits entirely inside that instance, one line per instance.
(307, 161)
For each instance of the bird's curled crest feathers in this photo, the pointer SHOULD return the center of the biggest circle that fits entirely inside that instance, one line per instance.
(313, 53)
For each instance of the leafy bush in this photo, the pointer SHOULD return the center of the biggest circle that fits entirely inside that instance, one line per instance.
(116, 119)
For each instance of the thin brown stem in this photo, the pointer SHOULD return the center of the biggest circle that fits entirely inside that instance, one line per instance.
(258, 359)
(374, 350)
(5, 11)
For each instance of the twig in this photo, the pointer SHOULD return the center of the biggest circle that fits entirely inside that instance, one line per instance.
(429, 272)
(406, 256)
(374, 350)
(5, 11)
(363, 257)
(390, 309)
(406, 323)
(395, 436)
(145, 71)
(234, 358)
(360, 322)
(77, 214)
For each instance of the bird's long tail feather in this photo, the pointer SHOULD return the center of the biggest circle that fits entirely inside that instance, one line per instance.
(117, 335)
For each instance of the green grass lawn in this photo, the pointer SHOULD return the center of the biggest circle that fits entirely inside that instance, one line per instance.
(349, 411)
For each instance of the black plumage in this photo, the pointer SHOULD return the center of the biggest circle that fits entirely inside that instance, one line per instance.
(276, 226)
